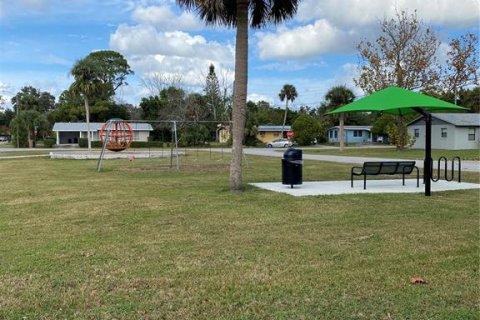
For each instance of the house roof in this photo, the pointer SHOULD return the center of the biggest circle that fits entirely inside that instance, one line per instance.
(366, 128)
(94, 126)
(273, 128)
(457, 119)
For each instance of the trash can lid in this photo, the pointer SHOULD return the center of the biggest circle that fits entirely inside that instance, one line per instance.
(293, 153)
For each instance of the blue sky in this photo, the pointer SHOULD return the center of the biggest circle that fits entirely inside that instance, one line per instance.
(41, 39)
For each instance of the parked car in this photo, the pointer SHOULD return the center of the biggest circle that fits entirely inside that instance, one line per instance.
(279, 143)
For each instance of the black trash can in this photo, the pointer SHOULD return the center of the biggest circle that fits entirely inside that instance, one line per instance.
(292, 167)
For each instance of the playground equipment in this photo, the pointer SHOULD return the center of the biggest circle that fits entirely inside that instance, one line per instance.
(445, 172)
(116, 135)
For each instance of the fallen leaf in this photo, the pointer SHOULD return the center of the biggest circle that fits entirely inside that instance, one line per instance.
(417, 280)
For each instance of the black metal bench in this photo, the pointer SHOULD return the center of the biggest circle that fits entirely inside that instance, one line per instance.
(384, 167)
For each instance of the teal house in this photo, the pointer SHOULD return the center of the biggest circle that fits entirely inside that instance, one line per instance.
(353, 134)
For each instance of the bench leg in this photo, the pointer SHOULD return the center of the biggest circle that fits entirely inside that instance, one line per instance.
(351, 180)
(403, 178)
(418, 179)
(364, 182)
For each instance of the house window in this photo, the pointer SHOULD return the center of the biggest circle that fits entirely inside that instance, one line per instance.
(136, 136)
(276, 134)
(357, 133)
(471, 134)
(262, 134)
(336, 134)
(444, 132)
(416, 133)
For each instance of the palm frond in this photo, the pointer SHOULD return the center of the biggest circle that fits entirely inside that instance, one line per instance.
(282, 10)
(266, 11)
(224, 12)
(212, 12)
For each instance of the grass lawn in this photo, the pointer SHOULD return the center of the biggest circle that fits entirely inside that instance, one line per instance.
(394, 154)
(142, 241)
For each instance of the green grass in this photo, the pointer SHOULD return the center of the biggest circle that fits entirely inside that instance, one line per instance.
(393, 153)
(142, 241)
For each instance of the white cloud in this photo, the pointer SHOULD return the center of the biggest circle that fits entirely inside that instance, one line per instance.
(169, 53)
(12, 82)
(305, 41)
(146, 40)
(5, 95)
(355, 13)
(255, 97)
(336, 26)
(163, 18)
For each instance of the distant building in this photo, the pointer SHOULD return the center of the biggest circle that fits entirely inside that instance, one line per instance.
(267, 133)
(71, 132)
(352, 134)
(452, 131)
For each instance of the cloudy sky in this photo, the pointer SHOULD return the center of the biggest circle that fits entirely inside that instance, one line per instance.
(41, 39)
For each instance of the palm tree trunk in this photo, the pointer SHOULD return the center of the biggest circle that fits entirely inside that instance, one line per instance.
(87, 116)
(239, 95)
(285, 116)
(342, 132)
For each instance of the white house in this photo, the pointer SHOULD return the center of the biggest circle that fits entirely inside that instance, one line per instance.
(71, 132)
(452, 131)
(352, 134)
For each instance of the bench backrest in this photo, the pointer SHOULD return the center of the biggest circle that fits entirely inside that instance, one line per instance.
(388, 167)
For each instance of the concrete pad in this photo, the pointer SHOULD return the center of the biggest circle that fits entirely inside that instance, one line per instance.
(315, 188)
(94, 155)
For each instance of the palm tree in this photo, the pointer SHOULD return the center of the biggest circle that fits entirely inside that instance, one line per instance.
(287, 93)
(87, 83)
(236, 14)
(337, 97)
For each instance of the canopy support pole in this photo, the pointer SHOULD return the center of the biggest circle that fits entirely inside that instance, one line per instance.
(427, 164)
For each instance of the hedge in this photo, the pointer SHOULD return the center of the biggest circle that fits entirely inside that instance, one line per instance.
(83, 143)
(49, 142)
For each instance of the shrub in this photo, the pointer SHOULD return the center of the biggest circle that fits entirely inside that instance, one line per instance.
(306, 130)
(194, 135)
(82, 142)
(49, 142)
(147, 144)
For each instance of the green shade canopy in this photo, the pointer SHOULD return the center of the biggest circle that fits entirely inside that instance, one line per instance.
(395, 100)
(400, 101)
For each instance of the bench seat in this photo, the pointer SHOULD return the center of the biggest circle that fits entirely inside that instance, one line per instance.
(374, 168)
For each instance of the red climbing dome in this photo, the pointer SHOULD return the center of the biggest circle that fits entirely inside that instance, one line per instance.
(119, 134)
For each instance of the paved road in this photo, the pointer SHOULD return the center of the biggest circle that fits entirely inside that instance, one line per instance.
(473, 166)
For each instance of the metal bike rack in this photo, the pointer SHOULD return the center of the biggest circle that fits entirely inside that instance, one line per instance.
(445, 173)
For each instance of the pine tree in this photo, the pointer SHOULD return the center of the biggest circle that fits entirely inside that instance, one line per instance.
(212, 92)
